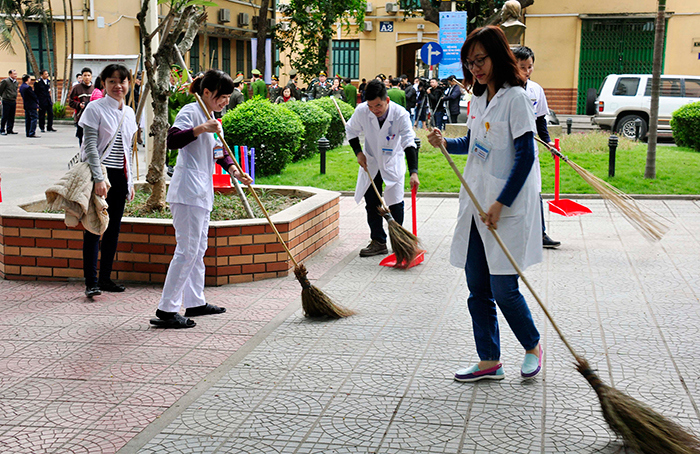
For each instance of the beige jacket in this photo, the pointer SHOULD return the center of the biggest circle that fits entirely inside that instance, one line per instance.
(75, 194)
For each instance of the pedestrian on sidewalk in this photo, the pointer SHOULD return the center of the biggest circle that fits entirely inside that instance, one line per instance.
(42, 88)
(191, 198)
(8, 94)
(526, 63)
(79, 98)
(31, 105)
(389, 136)
(108, 125)
(500, 172)
(97, 90)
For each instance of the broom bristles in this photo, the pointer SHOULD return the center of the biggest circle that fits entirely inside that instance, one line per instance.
(403, 243)
(641, 428)
(314, 302)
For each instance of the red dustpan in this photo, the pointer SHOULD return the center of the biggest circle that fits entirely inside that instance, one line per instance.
(420, 256)
(565, 207)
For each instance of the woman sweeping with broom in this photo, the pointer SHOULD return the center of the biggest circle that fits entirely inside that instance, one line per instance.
(191, 197)
(501, 172)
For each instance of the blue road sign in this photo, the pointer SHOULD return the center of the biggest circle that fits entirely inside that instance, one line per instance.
(431, 54)
(386, 26)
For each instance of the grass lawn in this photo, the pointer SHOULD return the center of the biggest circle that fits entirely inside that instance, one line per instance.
(676, 168)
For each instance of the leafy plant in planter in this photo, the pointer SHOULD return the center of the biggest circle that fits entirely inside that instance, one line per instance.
(316, 122)
(336, 131)
(274, 131)
(59, 110)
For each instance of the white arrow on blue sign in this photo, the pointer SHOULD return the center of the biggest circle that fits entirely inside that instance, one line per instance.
(431, 53)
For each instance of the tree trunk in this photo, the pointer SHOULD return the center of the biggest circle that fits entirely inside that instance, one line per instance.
(262, 36)
(66, 89)
(66, 80)
(650, 169)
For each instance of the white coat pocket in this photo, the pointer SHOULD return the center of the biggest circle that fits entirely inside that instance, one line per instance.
(498, 134)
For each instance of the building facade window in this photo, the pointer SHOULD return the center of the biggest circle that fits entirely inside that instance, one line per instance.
(346, 58)
(194, 55)
(40, 48)
(213, 53)
(226, 55)
(249, 55)
(409, 4)
(240, 57)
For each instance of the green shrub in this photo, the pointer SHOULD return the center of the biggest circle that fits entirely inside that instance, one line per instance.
(59, 110)
(316, 123)
(274, 132)
(685, 124)
(336, 131)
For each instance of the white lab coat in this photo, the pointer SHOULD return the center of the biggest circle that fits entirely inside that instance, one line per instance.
(540, 108)
(509, 115)
(192, 182)
(384, 149)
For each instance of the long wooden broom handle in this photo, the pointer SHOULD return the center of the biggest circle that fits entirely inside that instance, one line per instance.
(553, 150)
(250, 186)
(500, 242)
(371, 180)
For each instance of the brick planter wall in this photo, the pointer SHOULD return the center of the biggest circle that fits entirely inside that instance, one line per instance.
(39, 246)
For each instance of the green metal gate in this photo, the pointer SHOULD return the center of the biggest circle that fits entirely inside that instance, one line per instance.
(613, 46)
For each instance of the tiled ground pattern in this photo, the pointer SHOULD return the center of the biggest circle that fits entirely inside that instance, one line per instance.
(87, 377)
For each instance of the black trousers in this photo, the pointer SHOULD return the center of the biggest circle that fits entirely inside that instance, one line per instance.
(116, 199)
(79, 135)
(374, 219)
(8, 116)
(46, 111)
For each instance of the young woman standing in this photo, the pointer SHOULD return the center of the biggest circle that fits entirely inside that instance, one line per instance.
(191, 198)
(108, 127)
(501, 170)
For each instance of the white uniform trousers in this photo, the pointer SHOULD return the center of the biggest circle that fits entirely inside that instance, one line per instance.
(184, 284)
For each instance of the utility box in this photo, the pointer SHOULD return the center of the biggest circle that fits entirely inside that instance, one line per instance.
(243, 19)
(392, 8)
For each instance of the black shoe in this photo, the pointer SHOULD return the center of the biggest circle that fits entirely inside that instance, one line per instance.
(11, 132)
(51, 130)
(171, 320)
(33, 136)
(109, 286)
(92, 291)
(549, 243)
(42, 130)
(204, 309)
(3, 133)
(374, 248)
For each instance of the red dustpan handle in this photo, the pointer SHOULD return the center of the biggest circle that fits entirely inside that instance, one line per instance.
(413, 209)
(556, 172)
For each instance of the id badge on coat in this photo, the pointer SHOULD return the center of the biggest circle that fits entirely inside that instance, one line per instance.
(482, 148)
(386, 151)
(218, 149)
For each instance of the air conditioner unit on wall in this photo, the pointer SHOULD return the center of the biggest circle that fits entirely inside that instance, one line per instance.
(368, 25)
(391, 8)
(224, 15)
(243, 19)
(270, 23)
(369, 8)
(283, 27)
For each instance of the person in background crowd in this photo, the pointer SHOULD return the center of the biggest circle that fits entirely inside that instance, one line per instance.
(98, 90)
(258, 84)
(292, 84)
(42, 88)
(236, 96)
(388, 136)
(410, 95)
(396, 94)
(286, 96)
(321, 88)
(275, 90)
(8, 94)
(191, 198)
(452, 97)
(31, 104)
(437, 108)
(362, 88)
(501, 173)
(78, 79)
(350, 92)
(421, 107)
(526, 63)
(109, 125)
(336, 91)
(79, 98)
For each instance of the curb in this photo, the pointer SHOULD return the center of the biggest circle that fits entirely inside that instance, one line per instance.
(454, 195)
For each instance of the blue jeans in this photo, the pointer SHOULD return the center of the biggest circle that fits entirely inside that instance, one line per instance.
(439, 119)
(374, 219)
(30, 119)
(483, 289)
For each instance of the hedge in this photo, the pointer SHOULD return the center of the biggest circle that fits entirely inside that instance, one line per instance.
(274, 131)
(316, 123)
(336, 131)
(685, 124)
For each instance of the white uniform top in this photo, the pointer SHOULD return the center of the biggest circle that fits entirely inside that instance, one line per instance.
(384, 148)
(104, 115)
(509, 115)
(192, 182)
(537, 97)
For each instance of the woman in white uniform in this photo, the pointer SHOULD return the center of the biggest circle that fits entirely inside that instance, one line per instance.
(191, 198)
(501, 172)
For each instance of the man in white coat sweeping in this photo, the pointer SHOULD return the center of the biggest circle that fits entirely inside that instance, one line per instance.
(389, 137)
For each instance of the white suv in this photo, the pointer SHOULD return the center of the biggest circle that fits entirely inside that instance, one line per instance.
(624, 98)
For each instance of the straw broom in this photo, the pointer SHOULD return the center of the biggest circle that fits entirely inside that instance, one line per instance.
(403, 243)
(641, 428)
(314, 302)
(628, 207)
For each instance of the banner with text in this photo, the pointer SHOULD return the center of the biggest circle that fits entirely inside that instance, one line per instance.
(453, 33)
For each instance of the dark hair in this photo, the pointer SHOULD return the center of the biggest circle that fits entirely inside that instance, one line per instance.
(395, 81)
(85, 70)
(347, 80)
(504, 68)
(523, 53)
(109, 71)
(77, 75)
(25, 77)
(42, 72)
(216, 81)
(364, 80)
(98, 83)
(375, 89)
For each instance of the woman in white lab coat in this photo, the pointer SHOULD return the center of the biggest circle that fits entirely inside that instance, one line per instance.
(502, 173)
(191, 197)
(389, 136)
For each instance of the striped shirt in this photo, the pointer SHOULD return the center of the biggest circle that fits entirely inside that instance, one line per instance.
(115, 160)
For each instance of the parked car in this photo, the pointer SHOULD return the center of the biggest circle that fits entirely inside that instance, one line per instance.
(551, 118)
(625, 98)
